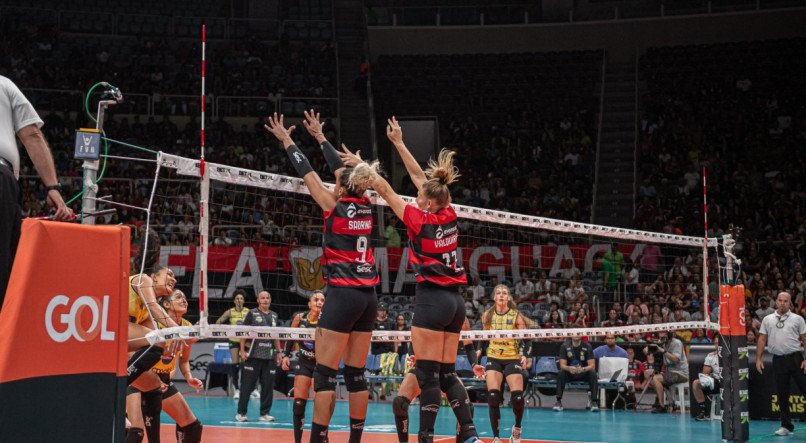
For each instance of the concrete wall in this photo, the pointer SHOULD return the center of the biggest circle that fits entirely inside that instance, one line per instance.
(622, 39)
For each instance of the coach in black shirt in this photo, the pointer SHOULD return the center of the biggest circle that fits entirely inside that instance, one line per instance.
(259, 360)
(577, 364)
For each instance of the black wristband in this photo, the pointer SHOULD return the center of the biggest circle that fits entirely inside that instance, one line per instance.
(289, 345)
(470, 352)
(57, 187)
(527, 348)
(298, 160)
(334, 162)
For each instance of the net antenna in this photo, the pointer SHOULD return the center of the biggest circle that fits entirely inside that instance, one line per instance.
(705, 288)
(204, 211)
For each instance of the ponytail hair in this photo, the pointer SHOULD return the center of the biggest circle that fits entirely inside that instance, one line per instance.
(356, 180)
(439, 175)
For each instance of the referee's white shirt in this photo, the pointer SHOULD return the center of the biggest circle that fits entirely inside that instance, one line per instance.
(786, 339)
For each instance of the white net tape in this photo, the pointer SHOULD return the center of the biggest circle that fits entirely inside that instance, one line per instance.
(271, 333)
(240, 176)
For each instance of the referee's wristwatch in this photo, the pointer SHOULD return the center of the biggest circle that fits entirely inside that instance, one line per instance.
(57, 187)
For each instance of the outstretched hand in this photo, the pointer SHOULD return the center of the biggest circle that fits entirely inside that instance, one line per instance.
(314, 126)
(393, 131)
(275, 125)
(350, 159)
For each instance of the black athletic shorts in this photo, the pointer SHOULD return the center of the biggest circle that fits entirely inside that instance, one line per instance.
(714, 390)
(438, 308)
(506, 367)
(170, 392)
(304, 366)
(349, 309)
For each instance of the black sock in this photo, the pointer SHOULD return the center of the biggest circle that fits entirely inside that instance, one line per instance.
(318, 433)
(456, 393)
(400, 408)
(518, 404)
(141, 361)
(191, 433)
(356, 429)
(459, 436)
(134, 435)
(427, 372)
(151, 405)
(495, 420)
(299, 418)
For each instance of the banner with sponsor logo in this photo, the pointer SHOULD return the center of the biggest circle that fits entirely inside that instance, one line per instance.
(63, 333)
(231, 267)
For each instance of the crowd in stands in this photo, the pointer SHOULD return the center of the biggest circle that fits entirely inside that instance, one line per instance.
(737, 109)
(740, 113)
(540, 140)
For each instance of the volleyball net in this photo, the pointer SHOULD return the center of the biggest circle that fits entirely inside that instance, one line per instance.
(237, 228)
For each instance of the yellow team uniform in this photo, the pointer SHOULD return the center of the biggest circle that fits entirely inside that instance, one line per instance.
(164, 368)
(504, 349)
(137, 309)
(236, 318)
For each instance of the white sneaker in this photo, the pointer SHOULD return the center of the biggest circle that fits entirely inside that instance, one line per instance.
(237, 394)
(783, 432)
(266, 417)
(594, 408)
(496, 440)
(241, 418)
(255, 394)
(558, 406)
(515, 437)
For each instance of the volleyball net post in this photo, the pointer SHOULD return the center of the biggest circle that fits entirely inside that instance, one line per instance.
(733, 351)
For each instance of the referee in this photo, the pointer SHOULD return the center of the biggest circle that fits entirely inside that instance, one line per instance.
(786, 331)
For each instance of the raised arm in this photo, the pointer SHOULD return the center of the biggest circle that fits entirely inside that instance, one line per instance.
(315, 127)
(321, 194)
(382, 187)
(395, 135)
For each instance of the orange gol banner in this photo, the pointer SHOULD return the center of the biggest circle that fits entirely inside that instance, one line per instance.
(66, 307)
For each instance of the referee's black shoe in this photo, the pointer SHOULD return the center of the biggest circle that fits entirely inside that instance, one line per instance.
(658, 409)
(701, 416)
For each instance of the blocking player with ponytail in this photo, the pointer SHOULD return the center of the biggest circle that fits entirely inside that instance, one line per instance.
(345, 324)
(439, 310)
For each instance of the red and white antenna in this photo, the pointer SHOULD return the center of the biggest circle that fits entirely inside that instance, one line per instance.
(706, 295)
(204, 199)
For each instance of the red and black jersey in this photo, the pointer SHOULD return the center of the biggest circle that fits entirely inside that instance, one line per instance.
(433, 240)
(348, 258)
